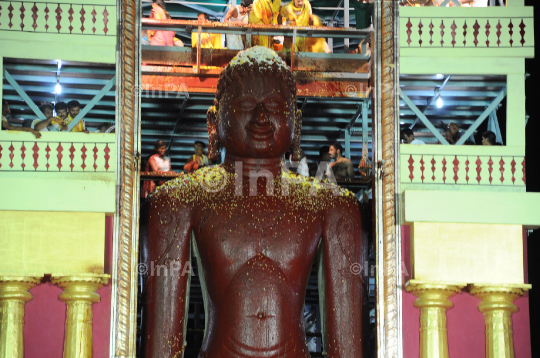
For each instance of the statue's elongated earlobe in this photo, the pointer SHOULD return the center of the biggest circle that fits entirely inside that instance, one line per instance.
(295, 145)
(213, 136)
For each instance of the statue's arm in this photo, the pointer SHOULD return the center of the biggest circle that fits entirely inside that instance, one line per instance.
(165, 255)
(341, 286)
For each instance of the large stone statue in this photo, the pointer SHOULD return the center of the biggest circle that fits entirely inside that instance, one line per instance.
(256, 230)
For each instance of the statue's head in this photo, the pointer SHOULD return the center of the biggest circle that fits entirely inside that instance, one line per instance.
(255, 113)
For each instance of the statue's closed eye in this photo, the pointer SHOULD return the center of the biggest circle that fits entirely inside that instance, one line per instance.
(273, 104)
(247, 103)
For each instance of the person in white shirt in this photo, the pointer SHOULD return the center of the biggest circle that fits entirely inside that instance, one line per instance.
(302, 166)
(238, 14)
(407, 136)
(48, 110)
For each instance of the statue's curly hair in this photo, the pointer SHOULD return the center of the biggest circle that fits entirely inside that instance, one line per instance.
(237, 72)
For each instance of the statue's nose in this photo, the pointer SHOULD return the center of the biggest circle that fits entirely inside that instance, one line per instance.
(261, 115)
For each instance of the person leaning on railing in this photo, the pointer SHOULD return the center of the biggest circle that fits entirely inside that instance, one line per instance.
(73, 109)
(160, 37)
(264, 12)
(207, 40)
(299, 13)
(407, 136)
(198, 159)
(452, 132)
(7, 126)
(157, 163)
(238, 14)
(48, 110)
(489, 138)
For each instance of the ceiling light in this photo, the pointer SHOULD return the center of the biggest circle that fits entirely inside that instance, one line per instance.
(440, 102)
(439, 76)
(58, 89)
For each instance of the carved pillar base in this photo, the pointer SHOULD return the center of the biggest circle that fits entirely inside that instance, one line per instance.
(497, 307)
(79, 295)
(13, 296)
(433, 302)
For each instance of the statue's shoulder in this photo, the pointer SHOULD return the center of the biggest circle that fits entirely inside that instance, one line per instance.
(195, 187)
(315, 193)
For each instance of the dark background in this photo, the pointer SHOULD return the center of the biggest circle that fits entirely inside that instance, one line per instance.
(532, 153)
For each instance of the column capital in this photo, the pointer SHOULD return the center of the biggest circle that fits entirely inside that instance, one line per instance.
(498, 296)
(16, 287)
(433, 293)
(13, 296)
(80, 287)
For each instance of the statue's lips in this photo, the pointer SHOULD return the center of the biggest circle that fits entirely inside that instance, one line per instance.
(258, 131)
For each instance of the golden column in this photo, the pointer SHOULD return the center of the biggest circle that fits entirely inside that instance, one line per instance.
(79, 295)
(497, 307)
(13, 296)
(433, 302)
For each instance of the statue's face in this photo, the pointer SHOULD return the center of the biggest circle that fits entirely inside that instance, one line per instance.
(256, 117)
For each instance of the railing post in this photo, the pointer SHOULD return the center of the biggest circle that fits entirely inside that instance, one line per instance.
(346, 25)
(198, 69)
(292, 49)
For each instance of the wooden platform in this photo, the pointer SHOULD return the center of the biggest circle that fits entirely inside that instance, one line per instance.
(183, 70)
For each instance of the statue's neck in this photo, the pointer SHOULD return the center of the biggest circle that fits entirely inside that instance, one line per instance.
(246, 166)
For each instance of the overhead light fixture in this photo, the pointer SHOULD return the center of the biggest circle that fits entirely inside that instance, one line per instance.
(440, 102)
(59, 64)
(439, 76)
(58, 88)
(401, 122)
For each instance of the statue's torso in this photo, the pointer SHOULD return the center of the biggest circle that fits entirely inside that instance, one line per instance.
(256, 255)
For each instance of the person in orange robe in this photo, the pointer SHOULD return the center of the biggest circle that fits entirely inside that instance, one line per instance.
(159, 37)
(197, 160)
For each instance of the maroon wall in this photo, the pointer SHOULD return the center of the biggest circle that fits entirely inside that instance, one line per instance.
(466, 329)
(45, 315)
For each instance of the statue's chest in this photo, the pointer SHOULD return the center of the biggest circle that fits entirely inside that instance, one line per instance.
(233, 234)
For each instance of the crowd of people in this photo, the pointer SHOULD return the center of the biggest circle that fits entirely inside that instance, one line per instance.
(266, 12)
(58, 118)
(331, 164)
(452, 134)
